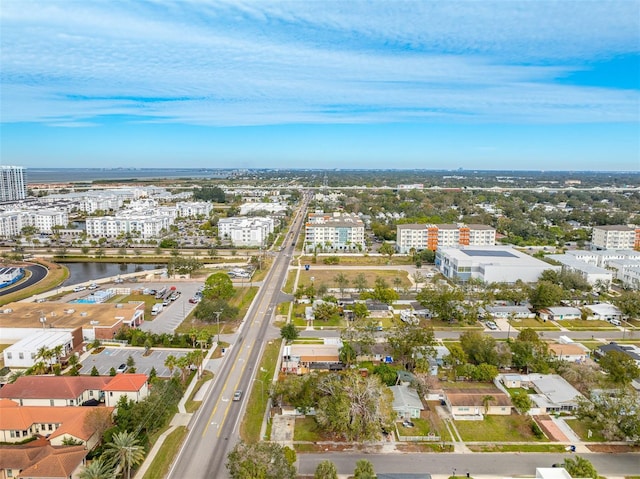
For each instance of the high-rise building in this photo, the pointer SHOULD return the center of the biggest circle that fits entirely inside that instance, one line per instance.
(12, 183)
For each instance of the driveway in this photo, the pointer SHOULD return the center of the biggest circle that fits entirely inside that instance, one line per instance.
(114, 357)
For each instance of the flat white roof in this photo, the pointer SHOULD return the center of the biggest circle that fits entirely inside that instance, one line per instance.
(49, 339)
(495, 255)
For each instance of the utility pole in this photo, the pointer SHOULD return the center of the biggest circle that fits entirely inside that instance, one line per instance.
(218, 313)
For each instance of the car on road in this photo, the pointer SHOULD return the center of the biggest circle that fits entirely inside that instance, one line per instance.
(77, 289)
(237, 395)
(93, 286)
(122, 368)
(118, 280)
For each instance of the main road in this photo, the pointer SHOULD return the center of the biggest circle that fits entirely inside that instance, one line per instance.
(213, 430)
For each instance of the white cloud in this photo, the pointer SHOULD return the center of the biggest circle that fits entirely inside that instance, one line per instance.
(240, 63)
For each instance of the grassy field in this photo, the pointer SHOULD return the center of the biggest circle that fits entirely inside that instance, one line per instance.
(252, 421)
(299, 320)
(326, 276)
(56, 275)
(161, 463)
(513, 428)
(421, 427)
(241, 299)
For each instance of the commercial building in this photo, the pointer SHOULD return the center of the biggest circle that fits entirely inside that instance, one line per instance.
(241, 231)
(419, 237)
(615, 237)
(12, 183)
(24, 353)
(334, 232)
(491, 264)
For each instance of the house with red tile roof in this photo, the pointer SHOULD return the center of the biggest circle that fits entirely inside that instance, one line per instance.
(55, 390)
(18, 423)
(38, 459)
(134, 386)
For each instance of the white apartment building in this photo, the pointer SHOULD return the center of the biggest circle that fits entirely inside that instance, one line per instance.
(191, 209)
(12, 183)
(246, 231)
(623, 265)
(334, 232)
(593, 274)
(432, 236)
(615, 237)
(12, 222)
(145, 226)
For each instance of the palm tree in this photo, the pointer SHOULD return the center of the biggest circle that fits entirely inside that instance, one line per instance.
(57, 352)
(486, 400)
(170, 362)
(98, 469)
(125, 451)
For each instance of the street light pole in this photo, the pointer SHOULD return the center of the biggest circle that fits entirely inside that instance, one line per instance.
(218, 313)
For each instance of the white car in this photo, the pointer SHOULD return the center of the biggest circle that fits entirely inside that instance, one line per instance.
(93, 286)
(77, 289)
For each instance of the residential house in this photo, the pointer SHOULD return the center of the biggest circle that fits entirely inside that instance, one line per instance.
(133, 386)
(406, 402)
(603, 312)
(474, 403)
(558, 313)
(554, 394)
(630, 350)
(508, 312)
(302, 358)
(56, 391)
(573, 353)
(38, 459)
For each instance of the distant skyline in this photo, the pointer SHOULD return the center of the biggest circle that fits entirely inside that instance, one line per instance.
(505, 85)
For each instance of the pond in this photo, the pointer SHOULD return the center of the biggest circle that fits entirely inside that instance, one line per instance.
(83, 272)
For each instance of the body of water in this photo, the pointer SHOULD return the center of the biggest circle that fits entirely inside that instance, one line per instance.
(67, 175)
(83, 272)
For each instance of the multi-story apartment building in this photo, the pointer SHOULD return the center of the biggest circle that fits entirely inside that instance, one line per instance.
(334, 232)
(12, 183)
(12, 222)
(191, 209)
(615, 237)
(419, 237)
(146, 226)
(246, 231)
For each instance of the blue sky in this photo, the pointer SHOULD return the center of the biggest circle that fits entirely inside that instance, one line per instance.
(353, 84)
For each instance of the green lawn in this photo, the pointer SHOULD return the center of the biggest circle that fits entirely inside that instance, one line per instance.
(307, 429)
(254, 415)
(581, 428)
(190, 404)
(161, 463)
(288, 286)
(422, 427)
(513, 428)
(361, 260)
(517, 447)
(533, 323)
(579, 324)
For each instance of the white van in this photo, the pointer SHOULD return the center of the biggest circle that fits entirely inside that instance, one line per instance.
(615, 322)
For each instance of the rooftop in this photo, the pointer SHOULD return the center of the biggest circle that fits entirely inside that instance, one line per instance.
(52, 387)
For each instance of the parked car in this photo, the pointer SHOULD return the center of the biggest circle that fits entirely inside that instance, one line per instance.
(491, 325)
(407, 423)
(122, 368)
(93, 286)
(77, 289)
(194, 300)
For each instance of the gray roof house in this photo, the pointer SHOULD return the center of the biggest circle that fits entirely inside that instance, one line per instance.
(406, 402)
(554, 393)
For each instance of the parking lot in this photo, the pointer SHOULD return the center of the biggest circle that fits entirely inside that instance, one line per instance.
(113, 357)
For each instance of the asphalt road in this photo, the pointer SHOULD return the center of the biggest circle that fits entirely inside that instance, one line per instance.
(38, 273)
(213, 431)
(502, 464)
